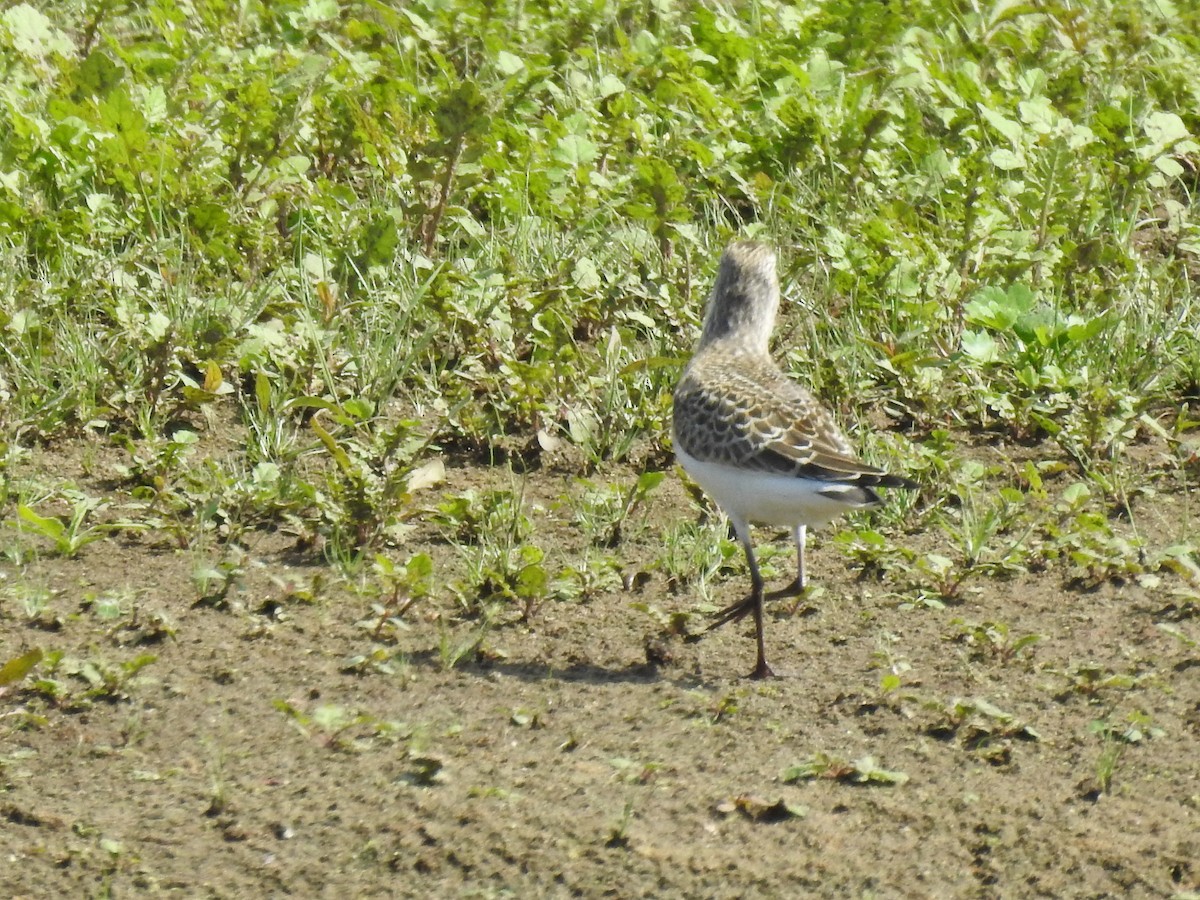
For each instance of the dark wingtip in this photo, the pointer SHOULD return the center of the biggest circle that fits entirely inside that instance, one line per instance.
(898, 481)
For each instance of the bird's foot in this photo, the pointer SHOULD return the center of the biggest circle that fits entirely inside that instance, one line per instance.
(761, 671)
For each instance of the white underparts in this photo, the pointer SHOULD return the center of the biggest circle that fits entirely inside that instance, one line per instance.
(767, 498)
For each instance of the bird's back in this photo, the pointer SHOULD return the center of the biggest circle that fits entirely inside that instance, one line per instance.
(741, 410)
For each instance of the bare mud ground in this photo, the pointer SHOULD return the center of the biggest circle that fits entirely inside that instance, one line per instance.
(260, 755)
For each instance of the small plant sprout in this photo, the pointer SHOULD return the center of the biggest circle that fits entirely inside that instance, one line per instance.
(74, 683)
(454, 648)
(759, 809)
(214, 583)
(605, 513)
(67, 535)
(979, 726)
(1175, 631)
(1093, 681)
(994, 640)
(618, 835)
(1115, 740)
(15, 669)
(400, 589)
(863, 771)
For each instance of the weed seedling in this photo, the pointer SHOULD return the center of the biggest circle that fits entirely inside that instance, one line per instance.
(67, 535)
(864, 771)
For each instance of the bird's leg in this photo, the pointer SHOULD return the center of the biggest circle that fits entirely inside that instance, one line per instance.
(735, 612)
(761, 669)
(797, 587)
(801, 580)
(753, 603)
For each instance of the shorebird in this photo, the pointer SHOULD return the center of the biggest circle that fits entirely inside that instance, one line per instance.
(757, 442)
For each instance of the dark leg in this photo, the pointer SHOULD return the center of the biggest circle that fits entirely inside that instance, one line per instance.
(761, 669)
(751, 604)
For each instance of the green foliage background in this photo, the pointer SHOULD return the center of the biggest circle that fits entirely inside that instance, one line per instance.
(462, 221)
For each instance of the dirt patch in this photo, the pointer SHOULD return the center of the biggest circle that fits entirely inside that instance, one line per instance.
(268, 745)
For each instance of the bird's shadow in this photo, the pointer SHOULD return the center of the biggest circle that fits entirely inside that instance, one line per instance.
(575, 672)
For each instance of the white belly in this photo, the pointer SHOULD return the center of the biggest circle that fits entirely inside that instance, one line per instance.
(768, 499)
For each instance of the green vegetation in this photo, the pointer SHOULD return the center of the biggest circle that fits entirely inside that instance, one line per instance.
(348, 237)
(861, 771)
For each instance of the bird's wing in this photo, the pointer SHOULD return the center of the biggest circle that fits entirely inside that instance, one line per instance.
(752, 416)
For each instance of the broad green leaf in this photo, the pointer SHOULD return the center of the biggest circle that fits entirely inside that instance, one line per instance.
(1039, 114)
(154, 104)
(158, 326)
(1004, 10)
(575, 150)
(1169, 167)
(581, 424)
(16, 669)
(999, 308)
(648, 481)
(47, 526)
(262, 392)
(212, 376)
(1076, 493)
(1085, 330)
(358, 408)
(1164, 129)
(330, 717)
(585, 275)
(1008, 160)
(121, 115)
(1005, 126)
(431, 473)
(992, 712)
(381, 240)
(32, 33)
(420, 566)
(980, 346)
(509, 63)
(610, 85)
(871, 773)
(265, 475)
(98, 74)
(532, 582)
